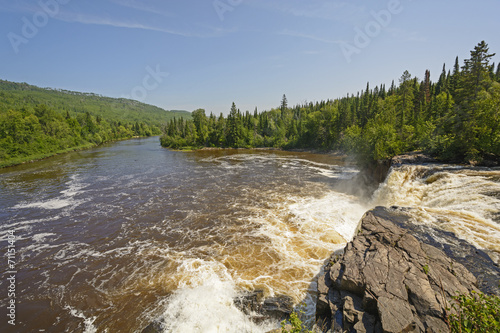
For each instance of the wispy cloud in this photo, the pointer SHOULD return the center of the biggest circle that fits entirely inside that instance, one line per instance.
(315, 9)
(90, 19)
(97, 20)
(406, 36)
(142, 6)
(311, 52)
(307, 36)
(17, 6)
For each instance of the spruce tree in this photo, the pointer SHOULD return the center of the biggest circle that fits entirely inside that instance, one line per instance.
(441, 84)
(477, 68)
(284, 105)
(473, 112)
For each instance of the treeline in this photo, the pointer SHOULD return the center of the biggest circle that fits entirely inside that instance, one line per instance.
(40, 131)
(456, 118)
(17, 95)
(37, 122)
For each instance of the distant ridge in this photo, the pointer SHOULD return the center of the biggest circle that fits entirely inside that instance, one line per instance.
(15, 95)
(36, 122)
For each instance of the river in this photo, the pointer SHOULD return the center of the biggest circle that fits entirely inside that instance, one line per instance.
(113, 238)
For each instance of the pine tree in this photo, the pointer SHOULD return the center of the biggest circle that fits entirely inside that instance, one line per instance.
(441, 84)
(456, 67)
(454, 76)
(427, 87)
(284, 105)
(405, 98)
(477, 68)
(200, 122)
(474, 113)
(233, 129)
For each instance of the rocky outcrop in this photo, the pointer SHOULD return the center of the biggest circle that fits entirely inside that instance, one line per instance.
(254, 304)
(388, 281)
(412, 158)
(478, 262)
(260, 309)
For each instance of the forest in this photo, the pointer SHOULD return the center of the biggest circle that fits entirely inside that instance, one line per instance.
(37, 122)
(455, 119)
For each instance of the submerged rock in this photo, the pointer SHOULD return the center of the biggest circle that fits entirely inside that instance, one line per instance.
(254, 304)
(387, 280)
(154, 327)
(260, 309)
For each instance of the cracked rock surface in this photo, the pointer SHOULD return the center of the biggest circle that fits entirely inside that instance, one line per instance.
(389, 281)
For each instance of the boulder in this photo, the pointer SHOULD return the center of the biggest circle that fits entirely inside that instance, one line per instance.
(387, 280)
(259, 308)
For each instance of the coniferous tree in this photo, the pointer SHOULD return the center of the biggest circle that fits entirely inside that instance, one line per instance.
(233, 129)
(405, 98)
(284, 105)
(441, 84)
(472, 112)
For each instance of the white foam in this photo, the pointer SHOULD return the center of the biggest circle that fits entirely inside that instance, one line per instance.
(335, 211)
(88, 322)
(39, 238)
(451, 198)
(204, 301)
(65, 199)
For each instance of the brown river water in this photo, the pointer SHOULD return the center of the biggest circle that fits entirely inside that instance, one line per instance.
(113, 238)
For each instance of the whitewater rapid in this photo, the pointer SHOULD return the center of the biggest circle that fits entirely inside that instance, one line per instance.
(462, 200)
(115, 238)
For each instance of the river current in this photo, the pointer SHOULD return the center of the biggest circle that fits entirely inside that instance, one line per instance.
(113, 238)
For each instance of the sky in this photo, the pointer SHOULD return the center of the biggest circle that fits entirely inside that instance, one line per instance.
(190, 54)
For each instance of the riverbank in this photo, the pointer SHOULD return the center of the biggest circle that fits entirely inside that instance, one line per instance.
(39, 157)
(293, 150)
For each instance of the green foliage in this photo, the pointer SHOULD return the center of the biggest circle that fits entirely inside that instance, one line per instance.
(456, 119)
(37, 123)
(15, 95)
(295, 324)
(475, 313)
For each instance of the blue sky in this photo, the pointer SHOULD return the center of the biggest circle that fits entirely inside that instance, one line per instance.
(207, 54)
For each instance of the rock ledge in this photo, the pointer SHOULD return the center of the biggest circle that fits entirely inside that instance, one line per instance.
(388, 281)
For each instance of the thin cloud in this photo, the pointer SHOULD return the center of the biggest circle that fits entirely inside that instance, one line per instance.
(142, 7)
(406, 36)
(307, 36)
(327, 10)
(117, 23)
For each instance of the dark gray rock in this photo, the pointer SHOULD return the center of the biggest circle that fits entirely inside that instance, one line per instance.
(412, 158)
(389, 281)
(154, 327)
(259, 308)
(476, 261)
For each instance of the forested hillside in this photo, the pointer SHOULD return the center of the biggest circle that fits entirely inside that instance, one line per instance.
(456, 118)
(37, 122)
